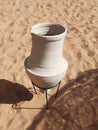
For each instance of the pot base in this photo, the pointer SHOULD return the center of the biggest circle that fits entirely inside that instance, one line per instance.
(46, 81)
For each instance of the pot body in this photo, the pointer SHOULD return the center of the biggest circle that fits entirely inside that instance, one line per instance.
(46, 65)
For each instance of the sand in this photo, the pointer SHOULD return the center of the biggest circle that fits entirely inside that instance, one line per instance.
(76, 107)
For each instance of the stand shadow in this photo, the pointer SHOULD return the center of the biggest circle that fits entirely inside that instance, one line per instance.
(75, 108)
(13, 93)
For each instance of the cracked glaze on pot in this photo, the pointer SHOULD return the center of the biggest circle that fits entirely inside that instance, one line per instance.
(46, 65)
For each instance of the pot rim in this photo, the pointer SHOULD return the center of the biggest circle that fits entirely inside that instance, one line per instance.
(49, 24)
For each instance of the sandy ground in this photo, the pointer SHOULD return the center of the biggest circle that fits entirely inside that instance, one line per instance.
(76, 107)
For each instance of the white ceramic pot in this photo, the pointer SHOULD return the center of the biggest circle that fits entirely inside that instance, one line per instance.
(46, 65)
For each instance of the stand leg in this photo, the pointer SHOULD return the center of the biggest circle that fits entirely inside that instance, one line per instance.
(57, 89)
(34, 88)
(47, 99)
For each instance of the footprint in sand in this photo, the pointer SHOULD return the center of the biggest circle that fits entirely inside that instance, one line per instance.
(91, 53)
(79, 55)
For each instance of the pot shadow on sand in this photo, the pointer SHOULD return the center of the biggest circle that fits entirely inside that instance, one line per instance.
(75, 108)
(13, 93)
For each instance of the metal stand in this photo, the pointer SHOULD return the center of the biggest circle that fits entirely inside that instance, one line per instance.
(46, 89)
(34, 87)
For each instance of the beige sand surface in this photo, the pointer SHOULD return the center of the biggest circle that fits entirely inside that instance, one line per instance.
(76, 107)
